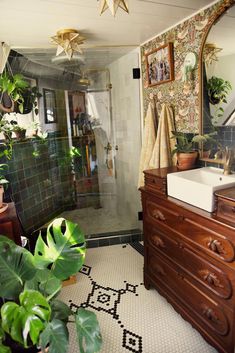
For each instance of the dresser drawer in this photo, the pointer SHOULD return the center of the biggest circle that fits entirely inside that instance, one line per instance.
(213, 319)
(195, 229)
(214, 279)
(226, 210)
(155, 183)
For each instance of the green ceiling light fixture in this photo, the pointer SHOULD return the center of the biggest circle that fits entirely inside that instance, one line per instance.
(113, 5)
(68, 40)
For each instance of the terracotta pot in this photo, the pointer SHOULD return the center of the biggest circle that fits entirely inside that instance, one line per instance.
(206, 154)
(20, 135)
(186, 160)
(1, 195)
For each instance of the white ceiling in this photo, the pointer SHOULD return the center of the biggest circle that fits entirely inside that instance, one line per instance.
(223, 33)
(31, 23)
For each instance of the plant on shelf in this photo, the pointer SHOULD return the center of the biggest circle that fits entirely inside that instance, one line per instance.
(31, 95)
(187, 147)
(31, 315)
(3, 182)
(6, 128)
(18, 130)
(12, 87)
(35, 125)
(218, 89)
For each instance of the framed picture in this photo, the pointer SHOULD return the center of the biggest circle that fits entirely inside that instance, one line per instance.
(160, 65)
(49, 106)
(77, 104)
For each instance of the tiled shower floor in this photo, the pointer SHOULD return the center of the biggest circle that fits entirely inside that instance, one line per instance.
(132, 319)
(98, 221)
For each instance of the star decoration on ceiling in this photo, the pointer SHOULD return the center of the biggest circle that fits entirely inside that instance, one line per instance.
(113, 5)
(68, 41)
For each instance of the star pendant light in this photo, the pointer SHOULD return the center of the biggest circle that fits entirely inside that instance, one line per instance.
(68, 41)
(113, 5)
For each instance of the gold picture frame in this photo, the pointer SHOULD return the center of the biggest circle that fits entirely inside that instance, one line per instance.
(160, 65)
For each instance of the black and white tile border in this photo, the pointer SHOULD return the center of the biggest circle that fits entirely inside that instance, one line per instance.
(107, 299)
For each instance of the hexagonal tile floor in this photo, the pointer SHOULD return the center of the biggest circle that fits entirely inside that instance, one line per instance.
(132, 319)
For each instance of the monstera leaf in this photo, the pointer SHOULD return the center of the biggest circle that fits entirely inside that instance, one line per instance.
(27, 319)
(64, 249)
(56, 336)
(60, 310)
(16, 266)
(45, 282)
(88, 331)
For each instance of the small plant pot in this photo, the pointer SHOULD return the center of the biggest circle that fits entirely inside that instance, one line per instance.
(206, 154)
(186, 160)
(35, 132)
(1, 195)
(7, 136)
(20, 134)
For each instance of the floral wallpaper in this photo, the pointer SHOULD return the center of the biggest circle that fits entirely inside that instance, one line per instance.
(182, 96)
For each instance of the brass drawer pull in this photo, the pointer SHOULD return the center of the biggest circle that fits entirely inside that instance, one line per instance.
(210, 315)
(180, 218)
(160, 270)
(158, 242)
(210, 278)
(216, 246)
(159, 215)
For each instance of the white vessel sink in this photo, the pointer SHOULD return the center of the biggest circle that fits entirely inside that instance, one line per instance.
(197, 186)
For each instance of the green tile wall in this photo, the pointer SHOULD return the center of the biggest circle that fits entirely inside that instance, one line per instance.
(40, 184)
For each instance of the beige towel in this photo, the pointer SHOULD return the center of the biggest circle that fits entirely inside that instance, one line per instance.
(148, 142)
(162, 151)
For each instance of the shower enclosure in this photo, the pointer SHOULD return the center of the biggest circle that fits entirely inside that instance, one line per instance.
(86, 168)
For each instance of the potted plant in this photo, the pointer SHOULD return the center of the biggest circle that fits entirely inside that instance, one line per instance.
(29, 283)
(12, 88)
(186, 148)
(30, 95)
(217, 90)
(6, 129)
(3, 182)
(34, 126)
(18, 130)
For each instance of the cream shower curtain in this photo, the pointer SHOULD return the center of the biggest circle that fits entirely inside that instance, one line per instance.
(148, 141)
(165, 142)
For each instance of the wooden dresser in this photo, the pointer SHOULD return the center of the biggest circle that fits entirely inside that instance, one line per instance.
(9, 224)
(190, 259)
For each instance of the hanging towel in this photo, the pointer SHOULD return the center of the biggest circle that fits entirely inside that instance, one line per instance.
(162, 151)
(148, 142)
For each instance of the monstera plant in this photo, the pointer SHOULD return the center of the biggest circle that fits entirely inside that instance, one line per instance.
(31, 315)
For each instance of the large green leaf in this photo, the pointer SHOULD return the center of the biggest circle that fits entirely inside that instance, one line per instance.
(59, 310)
(27, 319)
(64, 249)
(16, 266)
(4, 349)
(45, 282)
(88, 331)
(56, 336)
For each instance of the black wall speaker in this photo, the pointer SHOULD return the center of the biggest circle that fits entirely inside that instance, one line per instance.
(136, 73)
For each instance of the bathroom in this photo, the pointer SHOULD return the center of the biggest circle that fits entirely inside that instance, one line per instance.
(98, 104)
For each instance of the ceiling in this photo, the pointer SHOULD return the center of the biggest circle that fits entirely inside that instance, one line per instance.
(223, 33)
(27, 25)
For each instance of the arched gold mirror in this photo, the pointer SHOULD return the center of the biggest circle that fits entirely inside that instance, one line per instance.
(218, 83)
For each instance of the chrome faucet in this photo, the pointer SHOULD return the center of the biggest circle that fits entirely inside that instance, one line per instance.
(225, 157)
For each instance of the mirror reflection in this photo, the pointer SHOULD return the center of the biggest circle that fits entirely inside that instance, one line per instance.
(219, 71)
(218, 75)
